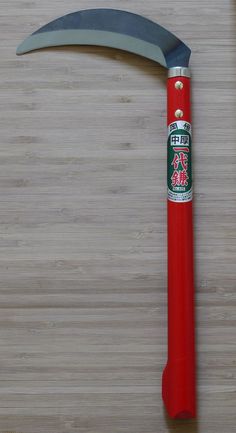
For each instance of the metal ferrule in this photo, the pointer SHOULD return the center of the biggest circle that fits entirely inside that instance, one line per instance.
(179, 71)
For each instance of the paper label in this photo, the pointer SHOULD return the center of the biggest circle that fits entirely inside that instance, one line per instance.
(179, 170)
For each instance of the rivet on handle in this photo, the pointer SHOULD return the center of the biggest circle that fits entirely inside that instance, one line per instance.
(179, 85)
(179, 113)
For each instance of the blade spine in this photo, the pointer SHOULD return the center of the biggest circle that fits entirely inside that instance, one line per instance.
(109, 9)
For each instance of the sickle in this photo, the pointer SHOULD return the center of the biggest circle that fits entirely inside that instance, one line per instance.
(136, 34)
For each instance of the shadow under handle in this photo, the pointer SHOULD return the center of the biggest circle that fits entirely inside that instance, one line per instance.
(178, 383)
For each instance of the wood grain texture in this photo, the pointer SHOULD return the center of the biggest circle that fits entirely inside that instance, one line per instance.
(83, 225)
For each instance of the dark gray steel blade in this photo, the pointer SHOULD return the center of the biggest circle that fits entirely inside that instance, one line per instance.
(111, 28)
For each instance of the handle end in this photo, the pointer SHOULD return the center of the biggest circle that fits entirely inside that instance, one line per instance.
(178, 390)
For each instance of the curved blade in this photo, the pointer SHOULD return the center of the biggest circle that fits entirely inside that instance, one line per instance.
(111, 28)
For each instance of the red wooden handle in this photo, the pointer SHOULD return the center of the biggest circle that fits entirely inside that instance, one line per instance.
(178, 387)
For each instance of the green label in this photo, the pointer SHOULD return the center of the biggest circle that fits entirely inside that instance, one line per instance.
(179, 162)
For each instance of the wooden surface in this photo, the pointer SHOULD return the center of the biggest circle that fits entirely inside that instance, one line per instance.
(83, 225)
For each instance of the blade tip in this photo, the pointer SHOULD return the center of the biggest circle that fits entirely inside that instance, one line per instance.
(25, 46)
(20, 50)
